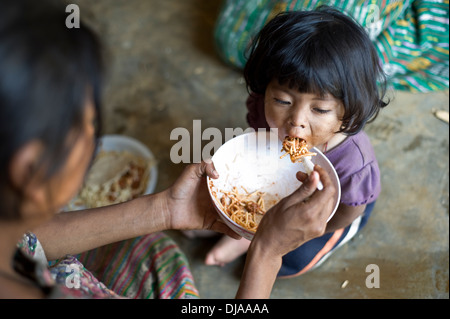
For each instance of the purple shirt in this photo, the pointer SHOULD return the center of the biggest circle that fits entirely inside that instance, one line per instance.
(357, 167)
(354, 160)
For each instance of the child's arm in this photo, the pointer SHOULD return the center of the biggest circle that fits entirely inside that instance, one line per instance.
(344, 216)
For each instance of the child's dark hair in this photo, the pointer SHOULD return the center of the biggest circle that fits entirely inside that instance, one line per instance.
(47, 71)
(321, 52)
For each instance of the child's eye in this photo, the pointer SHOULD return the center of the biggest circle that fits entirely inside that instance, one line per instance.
(321, 111)
(282, 102)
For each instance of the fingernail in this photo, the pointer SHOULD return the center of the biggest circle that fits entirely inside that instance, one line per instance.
(208, 161)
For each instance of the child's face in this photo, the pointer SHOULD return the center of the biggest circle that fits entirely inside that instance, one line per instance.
(308, 116)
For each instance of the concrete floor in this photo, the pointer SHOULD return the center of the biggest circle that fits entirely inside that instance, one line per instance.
(164, 73)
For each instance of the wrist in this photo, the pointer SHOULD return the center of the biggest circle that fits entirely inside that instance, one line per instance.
(167, 208)
(150, 213)
(262, 254)
(260, 272)
(164, 209)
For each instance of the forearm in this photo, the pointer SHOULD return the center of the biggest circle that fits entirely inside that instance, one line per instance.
(345, 215)
(286, 226)
(259, 274)
(79, 231)
(336, 223)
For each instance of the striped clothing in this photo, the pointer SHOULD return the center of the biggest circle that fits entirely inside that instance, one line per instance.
(411, 36)
(150, 266)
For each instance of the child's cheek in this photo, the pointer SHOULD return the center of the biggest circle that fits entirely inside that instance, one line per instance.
(276, 123)
(272, 117)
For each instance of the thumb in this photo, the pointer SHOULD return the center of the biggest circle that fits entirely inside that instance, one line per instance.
(198, 170)
(210, 169)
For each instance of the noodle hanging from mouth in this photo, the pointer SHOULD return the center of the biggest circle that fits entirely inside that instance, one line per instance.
(296, 147)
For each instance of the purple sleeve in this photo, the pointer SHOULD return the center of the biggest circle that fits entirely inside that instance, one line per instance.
(361, 187)
(358, 171)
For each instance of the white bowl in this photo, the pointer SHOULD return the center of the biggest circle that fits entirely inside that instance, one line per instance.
(125, 143)
(252, 160)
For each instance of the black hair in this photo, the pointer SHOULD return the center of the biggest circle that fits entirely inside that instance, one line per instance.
(323, 52)
(47, 71)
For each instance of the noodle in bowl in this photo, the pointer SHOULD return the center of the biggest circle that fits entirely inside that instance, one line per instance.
(251, 163)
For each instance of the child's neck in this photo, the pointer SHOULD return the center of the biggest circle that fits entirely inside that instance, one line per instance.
(332, 143)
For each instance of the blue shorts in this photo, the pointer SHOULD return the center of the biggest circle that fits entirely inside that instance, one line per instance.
(314, 252)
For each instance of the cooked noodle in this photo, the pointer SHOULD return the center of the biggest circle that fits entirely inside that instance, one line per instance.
(296, 147)
(245, 209)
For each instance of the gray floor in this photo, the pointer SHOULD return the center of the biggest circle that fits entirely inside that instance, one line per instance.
(164, 73)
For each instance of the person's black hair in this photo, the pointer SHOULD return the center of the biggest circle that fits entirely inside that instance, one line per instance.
(323, 52)
(47, 72)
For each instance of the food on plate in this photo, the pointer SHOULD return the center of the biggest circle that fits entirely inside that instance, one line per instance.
(245, 209)
(296, 147)
(115, 177)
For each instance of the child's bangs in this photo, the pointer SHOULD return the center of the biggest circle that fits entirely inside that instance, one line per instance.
(312, 74)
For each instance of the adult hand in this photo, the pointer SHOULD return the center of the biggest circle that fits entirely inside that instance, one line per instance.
(188, 202)
(299, 217)
(293, 221)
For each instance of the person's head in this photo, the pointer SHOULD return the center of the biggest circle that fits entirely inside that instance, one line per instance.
(50, 91)
(318, 71)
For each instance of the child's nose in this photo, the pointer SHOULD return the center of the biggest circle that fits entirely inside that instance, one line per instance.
(297, 125)
(297, 120)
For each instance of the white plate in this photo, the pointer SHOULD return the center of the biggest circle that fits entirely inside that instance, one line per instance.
(253, 161)
(125, 143)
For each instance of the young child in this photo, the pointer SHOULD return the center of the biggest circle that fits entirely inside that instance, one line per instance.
(313, 75)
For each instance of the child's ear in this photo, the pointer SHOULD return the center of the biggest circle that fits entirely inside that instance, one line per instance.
(25, 175)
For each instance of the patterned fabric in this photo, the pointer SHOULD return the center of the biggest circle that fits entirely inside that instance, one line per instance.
(411, 37)
(73, 280)
(150, 266)
(66, 279)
